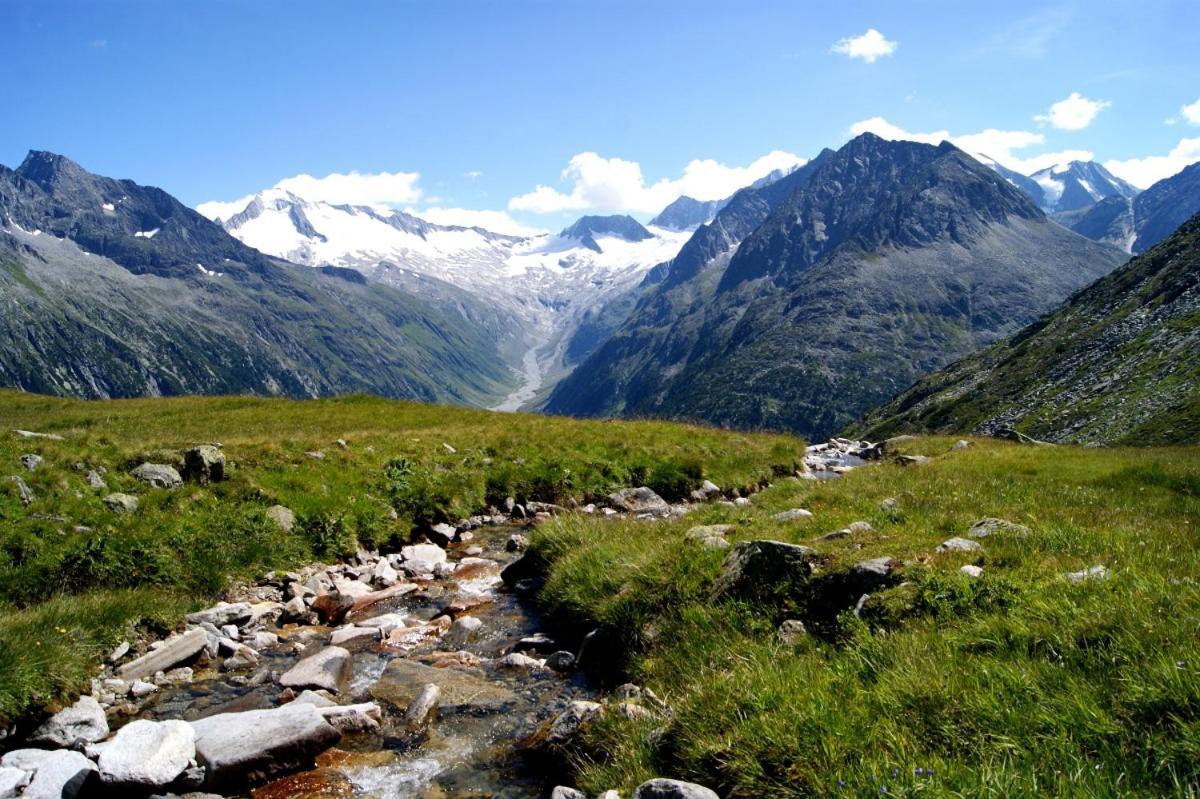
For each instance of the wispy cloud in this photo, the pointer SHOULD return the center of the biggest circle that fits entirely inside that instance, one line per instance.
(1075, 112)
(98, 44)
(1030, 37)
(869, 46)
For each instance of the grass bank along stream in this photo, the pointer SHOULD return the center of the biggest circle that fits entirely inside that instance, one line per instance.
(75, 574)
(1020, 682)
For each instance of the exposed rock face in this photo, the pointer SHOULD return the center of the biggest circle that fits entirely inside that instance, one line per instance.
(240, 748)
(147, 753)
(158, 474)
(83, 721)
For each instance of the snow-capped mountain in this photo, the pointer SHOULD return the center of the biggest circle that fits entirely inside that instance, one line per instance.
(1065, 187)
(545, 283)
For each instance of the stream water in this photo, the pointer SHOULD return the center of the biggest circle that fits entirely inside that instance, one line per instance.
(486, 709)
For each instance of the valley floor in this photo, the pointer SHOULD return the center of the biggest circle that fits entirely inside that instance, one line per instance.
(1064, 662)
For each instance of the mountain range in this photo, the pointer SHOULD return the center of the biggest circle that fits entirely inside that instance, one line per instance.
(112, 289)
(808, 301)
(1118, 363)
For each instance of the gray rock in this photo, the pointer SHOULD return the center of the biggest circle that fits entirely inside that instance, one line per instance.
(158, 474)
(24, 492)
(31, 434)
(31, 461)
(121, 503)
(707, 531)
(240, 748)
(516, 660)
(998, 527)
(383, 575)
(222, 613)
(561, 792)
(82, 721)
(121, 650)
(673, 789)
(422, 710)
(347, 719)
(912, 460)
(961, 444)
(516, 543)
(141, 688)
(12, 780)
(59, 774)
(795, 514)
(282, 516)
(441, 534)
(570, 721)
(94, 480)
(609, 795)
(957, 544)
(147, 753)
(328, 669)
(971, 570)
(640, 500)
(173, 652)
(792, 632)
(463, 631)
(754, 565)
(205, 464)
(1091, 573)
(560, 661)
(351, 634)
(869, 575)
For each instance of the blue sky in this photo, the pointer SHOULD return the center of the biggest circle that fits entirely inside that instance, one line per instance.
(471, 106)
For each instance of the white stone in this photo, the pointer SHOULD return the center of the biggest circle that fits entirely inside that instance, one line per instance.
(150, 753)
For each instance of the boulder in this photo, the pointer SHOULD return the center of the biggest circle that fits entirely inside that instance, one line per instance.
(240, 748)
(59, 774)
(423, 553)
(441, 534)
(383, 575)
(404, 679)
(791, 632)
(957, 544)
(283, 517)
(793, 515)
(673, 789)
(83, 721)
(463, 631)
(997, 527)
(94, 480)
(173, 652)
(705, 532)
(972, 570)
(147, 753)
(333, 607)
(158, 474)
(348, 719)
(561, 792)
(31, 461)
(516, 543)
(873, 574)
(204, 464)
(522, 662)
(640, 500)
(571, 720)
(222, 613)
(121, 503)
(755, 566)
(328, 669)
(12, 780)
(561, 661)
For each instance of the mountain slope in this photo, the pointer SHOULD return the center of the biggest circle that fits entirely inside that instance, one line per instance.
(112, 289)
(1078, 184)
(688, 214)
(1138, 224)
(1118, 363)
(806, 302)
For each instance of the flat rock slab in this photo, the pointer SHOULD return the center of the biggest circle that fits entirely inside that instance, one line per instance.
(328, 669)
(237, 749)
(84, 720)
(795, 514)
(60, 774)
(147, 753)
(173, 652)
(403, 680)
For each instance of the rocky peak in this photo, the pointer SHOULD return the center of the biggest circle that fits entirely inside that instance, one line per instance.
(621, 226)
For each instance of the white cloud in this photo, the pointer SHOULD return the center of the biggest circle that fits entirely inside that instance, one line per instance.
(1076, 112)
(614, 184)
(870, 46)
(996, 144)
(1191, 113)
(1145, 172)
(377, 189)
(473, 174)
(495, 221)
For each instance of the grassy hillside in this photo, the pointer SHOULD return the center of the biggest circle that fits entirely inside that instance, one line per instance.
(74, 575)
(1017, 683)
